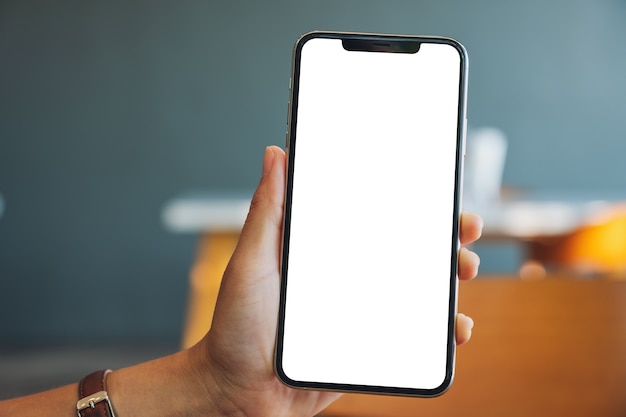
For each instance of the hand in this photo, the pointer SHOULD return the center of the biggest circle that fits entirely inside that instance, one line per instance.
(236, 357)
(230, 372)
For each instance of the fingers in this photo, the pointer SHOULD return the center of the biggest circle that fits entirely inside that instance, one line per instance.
(464, 325)
(471, 227)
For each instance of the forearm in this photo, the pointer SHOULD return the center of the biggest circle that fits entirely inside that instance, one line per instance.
(170, 386)
(59, 402)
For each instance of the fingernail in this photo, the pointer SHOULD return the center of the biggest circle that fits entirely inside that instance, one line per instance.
(472, 254)
(476, 258)
(481, 225)
(268, 160)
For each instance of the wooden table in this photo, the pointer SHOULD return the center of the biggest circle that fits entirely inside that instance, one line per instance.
(554, 347)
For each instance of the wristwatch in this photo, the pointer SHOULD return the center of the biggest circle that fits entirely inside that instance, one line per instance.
(94, 400)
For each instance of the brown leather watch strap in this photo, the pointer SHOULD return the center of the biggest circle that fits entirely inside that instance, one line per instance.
(94, 400)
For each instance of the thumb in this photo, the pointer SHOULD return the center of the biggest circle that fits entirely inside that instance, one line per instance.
(244, 323)
(259, 243)
(266, 208)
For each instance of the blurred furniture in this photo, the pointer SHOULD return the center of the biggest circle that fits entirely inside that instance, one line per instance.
(576, 233)
(579, 235)
(218, 218)
(598, 247)
(541, 348)
(548, 347)
(214, 251)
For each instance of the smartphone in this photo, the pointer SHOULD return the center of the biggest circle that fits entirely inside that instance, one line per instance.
(375, 150)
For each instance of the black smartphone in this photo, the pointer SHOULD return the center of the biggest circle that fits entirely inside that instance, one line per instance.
(371, 226)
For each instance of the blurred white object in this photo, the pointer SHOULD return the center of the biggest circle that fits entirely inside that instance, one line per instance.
(484, 166)
(207, 211)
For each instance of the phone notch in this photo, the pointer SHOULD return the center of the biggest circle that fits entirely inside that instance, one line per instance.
(403, 46)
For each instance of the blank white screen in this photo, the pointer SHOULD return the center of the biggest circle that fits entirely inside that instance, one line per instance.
(371, 236)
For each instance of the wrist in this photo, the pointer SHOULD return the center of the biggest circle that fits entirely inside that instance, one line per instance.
(210, 383)
(167, 387)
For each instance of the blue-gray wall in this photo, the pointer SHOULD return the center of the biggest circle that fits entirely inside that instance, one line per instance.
(108, 109)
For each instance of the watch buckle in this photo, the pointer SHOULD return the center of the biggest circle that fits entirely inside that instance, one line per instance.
(90, 401)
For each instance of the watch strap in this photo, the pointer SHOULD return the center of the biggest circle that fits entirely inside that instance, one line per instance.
(94, 399)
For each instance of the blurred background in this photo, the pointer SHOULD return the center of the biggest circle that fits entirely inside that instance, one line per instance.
(109, 110)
